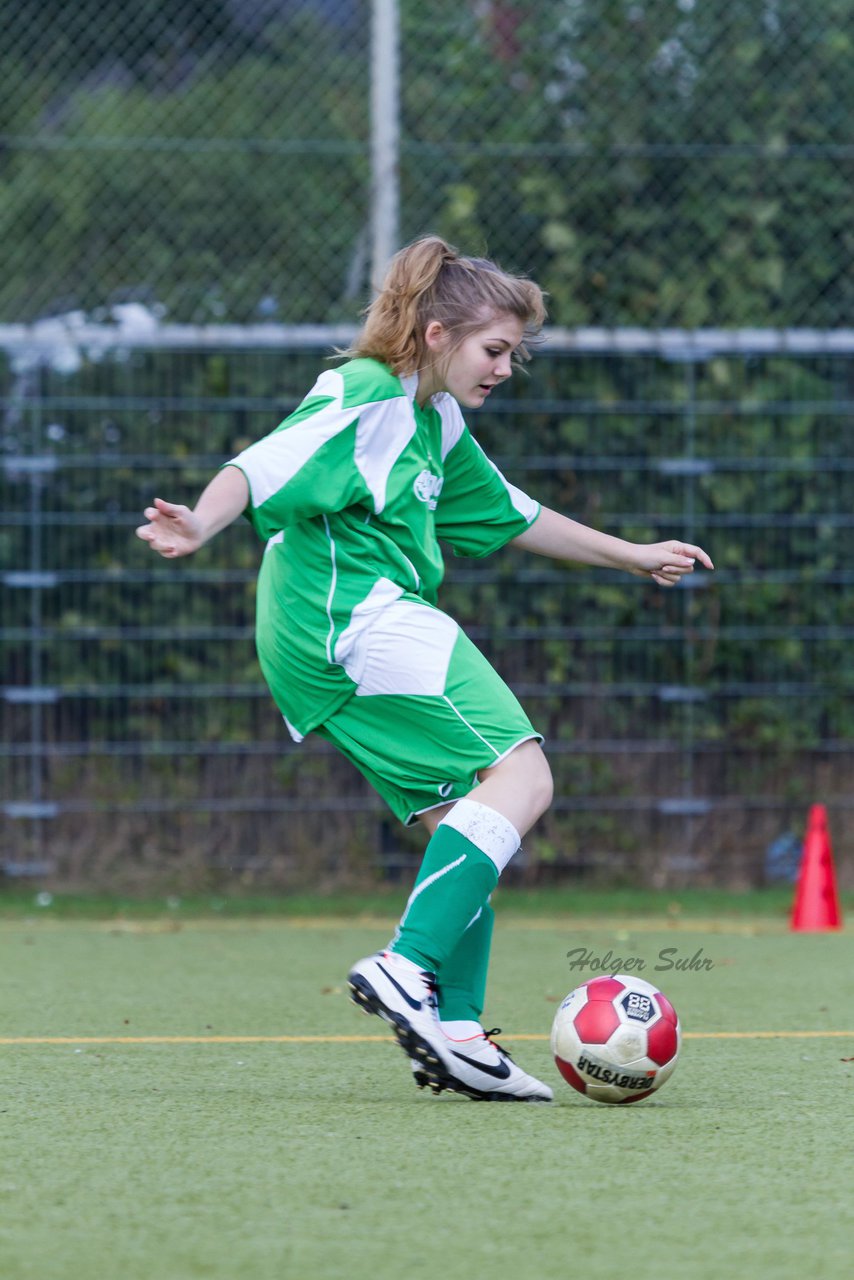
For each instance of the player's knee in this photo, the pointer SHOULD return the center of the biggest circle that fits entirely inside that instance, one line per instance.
(534, 772)
(520, 786)
(541, 782)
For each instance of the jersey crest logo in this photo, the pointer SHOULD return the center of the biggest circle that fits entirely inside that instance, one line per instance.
(427, 488)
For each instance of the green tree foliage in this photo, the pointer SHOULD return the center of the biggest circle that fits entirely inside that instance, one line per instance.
(653, 164)
(202, 170)
(738, 690)
(676, 163)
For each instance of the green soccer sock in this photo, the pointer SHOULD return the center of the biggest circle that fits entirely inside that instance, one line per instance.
(454, 882)
(462, 978)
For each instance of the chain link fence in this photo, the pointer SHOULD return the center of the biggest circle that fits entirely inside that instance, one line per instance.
(676, 163)
(195, 198)
(688, 730)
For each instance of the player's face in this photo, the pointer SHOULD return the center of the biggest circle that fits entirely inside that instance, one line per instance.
(480, 362)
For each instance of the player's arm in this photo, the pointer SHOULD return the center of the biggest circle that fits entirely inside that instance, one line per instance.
(173, 530)
(560, 538)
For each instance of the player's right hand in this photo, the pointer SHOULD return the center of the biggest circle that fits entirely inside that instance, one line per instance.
(172, 530)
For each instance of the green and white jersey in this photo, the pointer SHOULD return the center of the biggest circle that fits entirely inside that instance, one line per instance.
(353, 493)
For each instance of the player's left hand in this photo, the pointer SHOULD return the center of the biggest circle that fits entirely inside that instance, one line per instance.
(667, 562)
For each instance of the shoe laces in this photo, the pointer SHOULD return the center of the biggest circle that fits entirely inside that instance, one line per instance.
(432, 986)
(496, 1031)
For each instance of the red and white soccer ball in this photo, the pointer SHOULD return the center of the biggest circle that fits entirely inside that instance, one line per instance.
(616, 1039)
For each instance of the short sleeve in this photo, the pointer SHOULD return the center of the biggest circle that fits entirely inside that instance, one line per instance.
(478, 510)
(305, 467)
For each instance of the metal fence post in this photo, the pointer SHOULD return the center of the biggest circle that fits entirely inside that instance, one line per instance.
(385, 135)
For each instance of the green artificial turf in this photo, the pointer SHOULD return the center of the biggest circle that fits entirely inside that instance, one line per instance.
(773, 902)
(212, 1156)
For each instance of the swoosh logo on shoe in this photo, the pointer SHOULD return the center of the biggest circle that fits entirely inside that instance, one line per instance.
(413, 1004)
(500, 1072)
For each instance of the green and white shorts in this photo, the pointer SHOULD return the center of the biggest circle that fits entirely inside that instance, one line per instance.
(428, 713)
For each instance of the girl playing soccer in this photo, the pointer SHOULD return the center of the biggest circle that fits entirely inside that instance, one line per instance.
(353, 494)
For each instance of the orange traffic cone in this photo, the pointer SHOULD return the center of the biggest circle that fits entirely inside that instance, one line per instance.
(816, 904)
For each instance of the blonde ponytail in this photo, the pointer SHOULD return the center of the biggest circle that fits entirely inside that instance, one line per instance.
(429, 280)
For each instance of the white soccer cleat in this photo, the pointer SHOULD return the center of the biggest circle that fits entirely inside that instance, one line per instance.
(424, 1080)
(481, 1069)
(404, 996)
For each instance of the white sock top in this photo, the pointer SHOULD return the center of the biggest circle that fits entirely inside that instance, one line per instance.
(486, 828)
